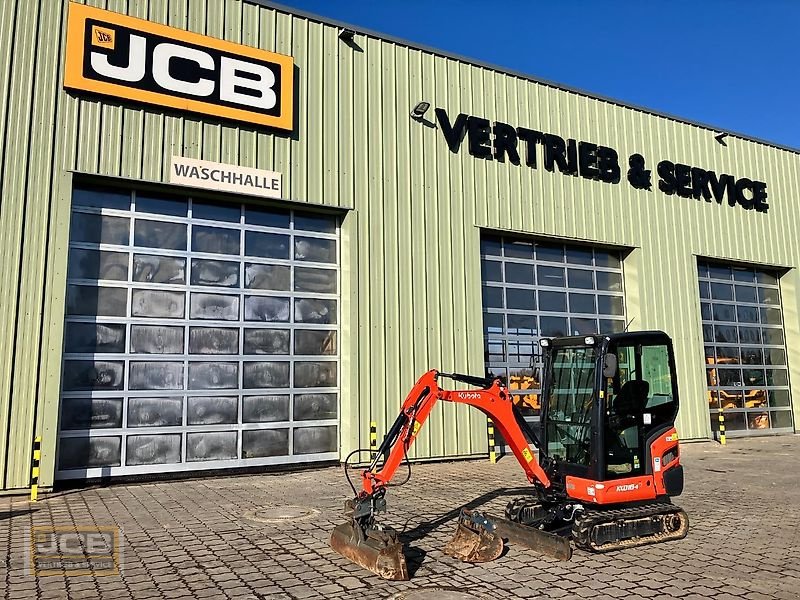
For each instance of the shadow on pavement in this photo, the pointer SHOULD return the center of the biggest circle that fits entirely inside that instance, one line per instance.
(415, 555)
(9, 514)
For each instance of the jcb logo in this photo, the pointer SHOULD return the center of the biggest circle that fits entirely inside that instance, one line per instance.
(117, 55)
(103, 37)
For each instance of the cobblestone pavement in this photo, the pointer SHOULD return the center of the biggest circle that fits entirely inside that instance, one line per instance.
(203, 538)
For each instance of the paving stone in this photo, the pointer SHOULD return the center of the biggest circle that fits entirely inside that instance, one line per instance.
(189, 539)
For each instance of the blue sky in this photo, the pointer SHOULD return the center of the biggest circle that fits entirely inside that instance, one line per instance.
(732, 64)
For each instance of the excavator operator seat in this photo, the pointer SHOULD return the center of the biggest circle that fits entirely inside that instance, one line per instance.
(632, 399)
(622, 431)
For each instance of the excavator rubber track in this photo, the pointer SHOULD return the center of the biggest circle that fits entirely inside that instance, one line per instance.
(606, 530)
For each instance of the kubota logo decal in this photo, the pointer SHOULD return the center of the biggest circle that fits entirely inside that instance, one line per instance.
(116, 55)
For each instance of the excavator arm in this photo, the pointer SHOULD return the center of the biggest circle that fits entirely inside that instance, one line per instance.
(492, 400)
(377, 547)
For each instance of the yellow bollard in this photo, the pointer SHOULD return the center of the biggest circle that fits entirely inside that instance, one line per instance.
(373, 440)
(721, 427)
(492, 447)
(37, 456)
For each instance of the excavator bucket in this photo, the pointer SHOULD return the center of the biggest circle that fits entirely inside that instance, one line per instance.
(475, 540)
(377, 550)
(480, 536)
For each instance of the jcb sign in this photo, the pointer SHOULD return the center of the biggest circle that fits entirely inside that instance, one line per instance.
(117, 55)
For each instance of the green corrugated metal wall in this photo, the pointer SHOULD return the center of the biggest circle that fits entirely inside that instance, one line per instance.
(411, 276)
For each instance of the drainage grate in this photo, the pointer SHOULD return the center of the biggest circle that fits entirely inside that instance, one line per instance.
(280, 514)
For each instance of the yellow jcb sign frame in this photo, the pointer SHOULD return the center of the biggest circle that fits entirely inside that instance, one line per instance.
(103, 25)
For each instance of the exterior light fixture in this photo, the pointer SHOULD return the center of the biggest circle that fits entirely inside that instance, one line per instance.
(544, 343)
(588, 340)
(346, 35)
(720, 137)
(419, 110)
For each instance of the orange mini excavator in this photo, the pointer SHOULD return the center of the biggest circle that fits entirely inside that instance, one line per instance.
(608, 457)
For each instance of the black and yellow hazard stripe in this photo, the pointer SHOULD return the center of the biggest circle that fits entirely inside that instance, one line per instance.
(37, 457)
(721, 427)
(492, 447)
(373, 440)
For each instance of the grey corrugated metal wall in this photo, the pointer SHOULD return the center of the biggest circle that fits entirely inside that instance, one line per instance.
(29, 91)
(411, 276)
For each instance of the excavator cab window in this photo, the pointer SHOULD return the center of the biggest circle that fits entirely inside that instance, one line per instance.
(640, 400)
(569, 404)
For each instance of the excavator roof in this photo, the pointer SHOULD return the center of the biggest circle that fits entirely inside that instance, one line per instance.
(595, 339)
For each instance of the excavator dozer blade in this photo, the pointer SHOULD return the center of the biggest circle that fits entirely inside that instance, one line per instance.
(543, 542)
(475, 540)
(379, 551)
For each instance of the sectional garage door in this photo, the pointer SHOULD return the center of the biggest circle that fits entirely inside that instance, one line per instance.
(197, 335)
(745, 349)
(537, 289)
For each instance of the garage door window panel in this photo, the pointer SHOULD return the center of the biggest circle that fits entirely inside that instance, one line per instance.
(97, 265)
(153, 449)
(267, 341)
(216, 212)
(219, 273)
(265, 409)
(159, 269)
(518, 273)
(98, 301)
(91, 338)
(159, 234)
(99, 229)
(161, 205)
(215, 240)
(94, 413)
(155, 411)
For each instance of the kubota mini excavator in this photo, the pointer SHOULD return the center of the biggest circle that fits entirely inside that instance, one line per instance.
(608, 457)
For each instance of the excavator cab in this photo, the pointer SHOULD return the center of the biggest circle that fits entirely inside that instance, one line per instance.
(606, 402)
